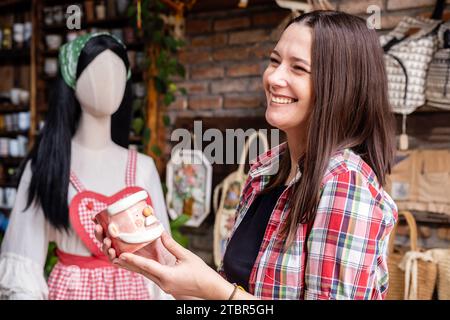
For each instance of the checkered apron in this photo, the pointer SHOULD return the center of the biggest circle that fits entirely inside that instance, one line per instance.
(95, 278)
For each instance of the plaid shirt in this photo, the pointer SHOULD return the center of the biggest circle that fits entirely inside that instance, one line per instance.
(344, 255)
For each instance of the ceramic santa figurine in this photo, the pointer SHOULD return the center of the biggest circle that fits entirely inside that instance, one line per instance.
(130, 223)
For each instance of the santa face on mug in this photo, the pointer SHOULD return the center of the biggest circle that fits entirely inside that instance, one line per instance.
(131, 223)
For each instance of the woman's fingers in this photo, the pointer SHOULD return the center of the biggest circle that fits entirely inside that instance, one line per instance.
(145, 266)
(111, 254)
(133, 268)
(173, 247)
(107, 250)
(99, 233)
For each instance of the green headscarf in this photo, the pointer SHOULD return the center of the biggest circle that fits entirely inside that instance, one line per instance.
(69, 54)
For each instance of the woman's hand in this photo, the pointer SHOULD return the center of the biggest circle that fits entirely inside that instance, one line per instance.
(154, 250)
(189, 276)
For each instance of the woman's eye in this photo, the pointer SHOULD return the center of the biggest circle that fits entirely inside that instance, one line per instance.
(274, 61)
(298, 68)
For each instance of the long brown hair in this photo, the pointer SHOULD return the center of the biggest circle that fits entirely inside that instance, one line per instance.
(350, 108)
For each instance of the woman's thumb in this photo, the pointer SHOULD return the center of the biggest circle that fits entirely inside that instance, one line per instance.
(172, 246)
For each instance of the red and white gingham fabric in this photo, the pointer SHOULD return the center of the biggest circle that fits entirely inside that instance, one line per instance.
(104, 283)
(72, 282)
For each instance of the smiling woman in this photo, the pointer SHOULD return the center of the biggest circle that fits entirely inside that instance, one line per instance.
(318, 228)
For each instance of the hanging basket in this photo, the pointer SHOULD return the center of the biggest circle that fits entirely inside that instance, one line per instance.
(442, 258)
(412, 276)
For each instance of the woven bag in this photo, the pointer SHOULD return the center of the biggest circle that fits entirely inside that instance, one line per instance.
(409, 49)
(230, 190)
(438, 78)
(442, 258)
(412, 276)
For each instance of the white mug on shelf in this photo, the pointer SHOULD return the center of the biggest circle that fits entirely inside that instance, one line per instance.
(58, 14)
(4, 144)
(15, 121)
(28, 31)
(19, 34)
(53, 41)
(100, 11)
(24, 97)
(9, 122)
(23, 143)
(122, 6)
(10, 197)
(13, 148)
(139, 89)
(15, 96)
(24, 120)
(51, 66)
(48, 16)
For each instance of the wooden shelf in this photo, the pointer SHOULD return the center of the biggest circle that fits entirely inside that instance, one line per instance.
(51, 53)
(429, 218)
(13, 134)
(19, 56)
(15, 4)
(12, 161)
(12, 108)
(9, 184)
(427, 108)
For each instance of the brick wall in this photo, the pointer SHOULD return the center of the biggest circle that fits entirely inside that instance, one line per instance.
(226, 54)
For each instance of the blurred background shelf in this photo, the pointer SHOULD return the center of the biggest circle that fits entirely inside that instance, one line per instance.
(16, 56)
(15, 4)
(11, 161)
(9, 184)
(12, 108)
(428, 108)
(14, 133)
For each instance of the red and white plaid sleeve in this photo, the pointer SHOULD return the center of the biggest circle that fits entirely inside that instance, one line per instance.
(347, 244)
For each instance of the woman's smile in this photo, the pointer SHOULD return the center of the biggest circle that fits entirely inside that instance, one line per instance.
(277, 99)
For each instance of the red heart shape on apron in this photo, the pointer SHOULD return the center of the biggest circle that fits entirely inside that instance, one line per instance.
(85, 205)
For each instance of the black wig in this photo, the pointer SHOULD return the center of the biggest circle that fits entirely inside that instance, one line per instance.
(51, 153)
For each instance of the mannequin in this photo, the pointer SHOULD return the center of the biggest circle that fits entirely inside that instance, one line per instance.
(82, 144)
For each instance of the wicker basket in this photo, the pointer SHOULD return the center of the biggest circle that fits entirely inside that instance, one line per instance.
(442, 258)
(418, 285)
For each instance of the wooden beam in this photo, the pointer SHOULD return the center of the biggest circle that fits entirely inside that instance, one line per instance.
(153, 112)
(35, 9)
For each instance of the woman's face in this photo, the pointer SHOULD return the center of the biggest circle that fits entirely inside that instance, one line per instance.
(287, 80)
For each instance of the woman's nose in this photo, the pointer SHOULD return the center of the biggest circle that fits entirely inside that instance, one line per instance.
(278, 77)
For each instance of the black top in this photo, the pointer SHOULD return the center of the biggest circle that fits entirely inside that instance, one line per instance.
(243, 247)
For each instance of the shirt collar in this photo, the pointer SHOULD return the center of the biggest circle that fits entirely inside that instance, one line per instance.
(268, 163)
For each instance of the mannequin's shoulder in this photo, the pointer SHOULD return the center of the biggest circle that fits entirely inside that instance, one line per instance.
(145, 162)
(119, 149)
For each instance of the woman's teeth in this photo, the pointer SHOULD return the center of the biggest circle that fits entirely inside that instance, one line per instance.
(282, 100)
